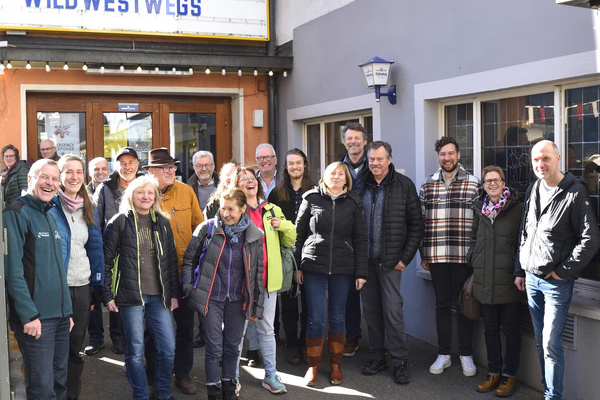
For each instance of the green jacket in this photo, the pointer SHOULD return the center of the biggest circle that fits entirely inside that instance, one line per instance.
(285, 236)
(16, 182)
(36, 279)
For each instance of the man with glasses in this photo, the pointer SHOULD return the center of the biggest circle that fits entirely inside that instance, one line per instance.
(447, 204)
(48, 149)
(559, 237)
(266, 159)
(205, 180)
(107, 198)
(180, 202)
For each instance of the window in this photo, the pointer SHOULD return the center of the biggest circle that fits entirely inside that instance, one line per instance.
(511, 125)
(191, 132)
(66, 129)
(323, 141)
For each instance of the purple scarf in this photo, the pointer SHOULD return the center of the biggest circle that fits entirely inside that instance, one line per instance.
(491, 209)
(73, 204)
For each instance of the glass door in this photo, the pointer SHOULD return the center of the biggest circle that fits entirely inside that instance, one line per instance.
(123, 129)
(190, 133)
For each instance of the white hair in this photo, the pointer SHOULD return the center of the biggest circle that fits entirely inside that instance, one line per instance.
(267, 145)
(203, 153)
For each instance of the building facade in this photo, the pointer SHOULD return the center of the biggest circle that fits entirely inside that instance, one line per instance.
(497, 77)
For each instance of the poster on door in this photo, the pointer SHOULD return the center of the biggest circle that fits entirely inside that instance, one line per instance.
(63, 128)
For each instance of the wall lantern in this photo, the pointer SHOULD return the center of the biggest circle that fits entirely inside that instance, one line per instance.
(377, 72)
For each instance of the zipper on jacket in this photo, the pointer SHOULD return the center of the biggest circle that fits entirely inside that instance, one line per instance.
(175, 219)
(62, 290)
(212, 282)
(159, 252)
(137, 241)
(229, 272)
(331, 237)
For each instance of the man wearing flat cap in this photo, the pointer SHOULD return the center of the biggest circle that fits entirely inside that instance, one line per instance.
(107, 198)
(180, 202)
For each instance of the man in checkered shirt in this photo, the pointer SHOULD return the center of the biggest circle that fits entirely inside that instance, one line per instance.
(446, 200)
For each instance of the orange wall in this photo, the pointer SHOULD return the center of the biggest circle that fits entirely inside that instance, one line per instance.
(11, 111)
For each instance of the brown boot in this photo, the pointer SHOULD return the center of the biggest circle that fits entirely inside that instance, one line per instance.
(336, 351)
(507, 387)
(314, 352)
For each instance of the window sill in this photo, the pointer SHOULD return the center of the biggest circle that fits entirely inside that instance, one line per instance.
(585, 303)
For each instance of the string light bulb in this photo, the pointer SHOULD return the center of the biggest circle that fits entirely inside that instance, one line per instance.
(47, 67)
(2, 65)
(66, 66)
(285, 74)
(28, 65)
(8, 65)
(223, 72)
(270, 73)
(240, 72)
(191, 70)
(102, 68)
(122, 68)
(174, 70)
(139, 68)
(156, 69)
(207, 71)
(255, 72)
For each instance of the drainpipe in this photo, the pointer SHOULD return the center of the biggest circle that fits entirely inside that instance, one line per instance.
(273, 94)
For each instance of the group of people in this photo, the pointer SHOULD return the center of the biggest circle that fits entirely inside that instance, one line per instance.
(153, 249)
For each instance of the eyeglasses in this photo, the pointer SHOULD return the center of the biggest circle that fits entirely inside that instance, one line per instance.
(168, 168)
(9, 156)
(495, 180)
(247, 179)
(265, 158)
(203, 166)
(48, 148)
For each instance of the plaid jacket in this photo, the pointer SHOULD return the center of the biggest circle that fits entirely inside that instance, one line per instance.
(448, 214)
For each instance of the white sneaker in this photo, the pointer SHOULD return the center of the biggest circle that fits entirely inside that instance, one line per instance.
(468, 366)
(442, 362)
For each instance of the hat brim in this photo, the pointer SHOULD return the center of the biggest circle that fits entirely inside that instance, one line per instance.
(160, 164)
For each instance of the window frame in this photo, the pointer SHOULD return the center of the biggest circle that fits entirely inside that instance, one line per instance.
(583, 286)
(322, 121)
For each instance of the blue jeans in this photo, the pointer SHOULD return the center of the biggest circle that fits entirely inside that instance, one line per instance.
(549, 301)
(316, 287)
(223, 331)
(45, 359)
(160, 323)
(261, 334)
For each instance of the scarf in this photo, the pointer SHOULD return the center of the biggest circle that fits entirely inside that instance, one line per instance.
(234, 232)
(491, 209)
(73, 204)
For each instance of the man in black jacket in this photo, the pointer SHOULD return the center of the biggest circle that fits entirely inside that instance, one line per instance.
(559, 237)
(395, 228)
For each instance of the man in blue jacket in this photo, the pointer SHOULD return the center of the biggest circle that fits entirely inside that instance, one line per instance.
(559, 237)
(38, 297)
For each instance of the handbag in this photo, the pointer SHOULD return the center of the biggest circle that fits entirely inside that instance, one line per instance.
(468, 305)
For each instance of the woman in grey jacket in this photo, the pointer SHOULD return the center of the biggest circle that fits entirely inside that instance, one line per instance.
(492, 254)
(228, 288)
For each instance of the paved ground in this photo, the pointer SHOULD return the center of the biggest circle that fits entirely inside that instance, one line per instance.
(102, 379)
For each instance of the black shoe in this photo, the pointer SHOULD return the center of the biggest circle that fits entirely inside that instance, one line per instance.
(93, 348)
(229, 389)
(401, 373)
(199, 341)
(374, 366)
(214, 392)
(253, 359)
(119, 346)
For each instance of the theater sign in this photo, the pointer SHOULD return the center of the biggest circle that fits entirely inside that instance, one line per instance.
(229, 19)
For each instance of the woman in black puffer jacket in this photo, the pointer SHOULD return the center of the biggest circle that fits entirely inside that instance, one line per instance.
(492, 254)
(331, 249)
(141, 282)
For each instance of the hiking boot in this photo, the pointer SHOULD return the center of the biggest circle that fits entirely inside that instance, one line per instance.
(293, 356)
(199, 341)
(374, 366)
(491, 382)
(401, 373)
(119, 346)
(507, 387)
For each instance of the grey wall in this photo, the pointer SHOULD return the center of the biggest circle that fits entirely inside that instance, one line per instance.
(430, 40)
